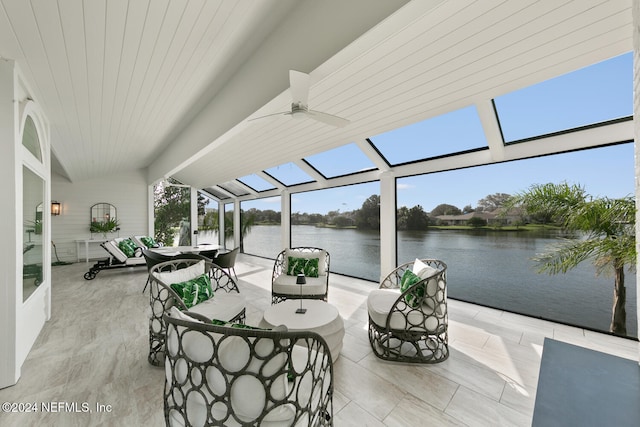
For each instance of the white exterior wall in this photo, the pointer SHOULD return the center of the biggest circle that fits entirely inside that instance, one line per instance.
(20, 321)
(127, 191)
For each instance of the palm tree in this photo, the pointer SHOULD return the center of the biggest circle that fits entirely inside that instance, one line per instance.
(210, 222)
(606, 235)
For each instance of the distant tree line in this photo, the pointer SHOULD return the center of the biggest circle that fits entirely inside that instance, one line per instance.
(365, 218)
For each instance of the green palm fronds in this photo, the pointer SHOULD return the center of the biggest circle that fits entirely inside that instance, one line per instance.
(605, 229)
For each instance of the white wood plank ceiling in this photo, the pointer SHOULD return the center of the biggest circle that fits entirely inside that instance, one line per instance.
(168, 85)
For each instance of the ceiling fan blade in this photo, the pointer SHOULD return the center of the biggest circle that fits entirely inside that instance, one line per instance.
(299, 85)
(328, 118)
(282, 113)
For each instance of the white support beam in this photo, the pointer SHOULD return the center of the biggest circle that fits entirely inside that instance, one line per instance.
(491, 129)
(223, 191)
(310, 171)
(270, 180)
(372, 154)
(245, 187)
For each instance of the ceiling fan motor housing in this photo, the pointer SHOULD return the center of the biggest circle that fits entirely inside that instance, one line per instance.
(298, 110)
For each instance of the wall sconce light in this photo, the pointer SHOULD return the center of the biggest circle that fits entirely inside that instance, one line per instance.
(56, 208)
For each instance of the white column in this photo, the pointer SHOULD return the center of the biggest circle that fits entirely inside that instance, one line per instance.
(636, 137)
(151, 211)
(236, 224)
(388, 235)
(221, 239)
(285, 219)
(194, 214)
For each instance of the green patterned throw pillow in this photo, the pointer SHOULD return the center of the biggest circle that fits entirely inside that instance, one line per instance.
(409, 278)
(219, 322)
(194, 291)
(308, 266)
(149, 242)
(128, 247)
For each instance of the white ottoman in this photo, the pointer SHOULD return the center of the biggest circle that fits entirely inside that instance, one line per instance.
(321, 318)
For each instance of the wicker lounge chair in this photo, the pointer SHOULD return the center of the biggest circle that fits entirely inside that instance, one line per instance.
(283, 285)
(223, 375)
(226, 303)
(411, 325)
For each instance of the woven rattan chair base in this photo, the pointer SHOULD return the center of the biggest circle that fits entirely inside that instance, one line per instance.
(408, 347)
(416, 325)
(218, 375)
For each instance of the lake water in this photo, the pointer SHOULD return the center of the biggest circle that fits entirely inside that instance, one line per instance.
(489, 268)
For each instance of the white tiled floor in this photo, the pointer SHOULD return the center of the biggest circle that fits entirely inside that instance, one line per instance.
(94, 350)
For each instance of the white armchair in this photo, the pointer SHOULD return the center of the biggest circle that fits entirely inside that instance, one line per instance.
(225, 375)
(408, 320)
(224, 303)
(308, 259)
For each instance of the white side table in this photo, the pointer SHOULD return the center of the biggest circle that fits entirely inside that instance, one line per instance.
(86, 247)
(321, 317)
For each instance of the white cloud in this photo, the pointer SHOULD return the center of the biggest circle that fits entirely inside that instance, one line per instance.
(405, 186)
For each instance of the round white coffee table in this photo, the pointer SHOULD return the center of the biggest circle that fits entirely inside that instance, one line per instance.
(320, 317)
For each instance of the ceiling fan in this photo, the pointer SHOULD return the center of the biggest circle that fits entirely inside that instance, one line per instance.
(299, 87)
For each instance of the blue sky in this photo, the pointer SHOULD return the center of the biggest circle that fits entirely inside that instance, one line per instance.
(598, 93)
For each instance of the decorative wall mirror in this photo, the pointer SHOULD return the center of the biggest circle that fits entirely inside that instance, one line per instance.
(103, 218)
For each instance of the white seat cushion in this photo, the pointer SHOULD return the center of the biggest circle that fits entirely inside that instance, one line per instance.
(138, 241)
(422, 270)
(112, 247)
(177, 314)
(223, 306)
(135, 261)
(379, 304)
(182, 275)
(285, 284)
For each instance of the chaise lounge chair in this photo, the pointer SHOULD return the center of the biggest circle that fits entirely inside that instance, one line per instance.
(118, 258)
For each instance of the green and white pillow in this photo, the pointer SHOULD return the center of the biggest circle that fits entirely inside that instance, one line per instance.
(219, 322)
(409, 278)
(321, 255)
(148, 241)
(194, 291)
(308, 266)
(128, 247)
